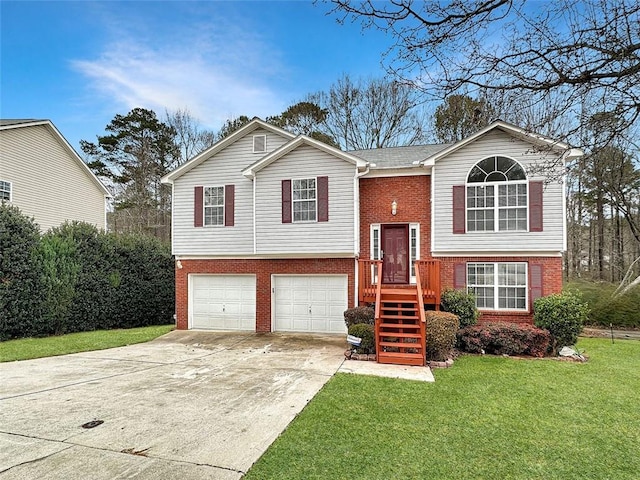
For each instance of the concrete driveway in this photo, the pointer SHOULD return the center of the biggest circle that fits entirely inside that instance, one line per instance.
(189, 405)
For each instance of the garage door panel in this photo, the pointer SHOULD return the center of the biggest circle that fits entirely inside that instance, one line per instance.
(223, 302)
(325, 294)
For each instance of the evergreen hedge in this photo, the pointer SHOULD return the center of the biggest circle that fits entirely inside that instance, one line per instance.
(76, 278)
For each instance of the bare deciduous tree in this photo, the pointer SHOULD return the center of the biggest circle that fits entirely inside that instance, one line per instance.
(374, 113)
(190, 138)
(584, 52)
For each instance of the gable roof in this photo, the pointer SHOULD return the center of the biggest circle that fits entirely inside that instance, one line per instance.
(267, 160)
(222, 144)
(398, 157)
(535, 139)
(11, 124)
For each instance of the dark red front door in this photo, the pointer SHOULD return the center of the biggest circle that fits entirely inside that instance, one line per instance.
(395, 253)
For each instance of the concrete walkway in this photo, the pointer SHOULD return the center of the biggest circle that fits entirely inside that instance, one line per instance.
(189, 405)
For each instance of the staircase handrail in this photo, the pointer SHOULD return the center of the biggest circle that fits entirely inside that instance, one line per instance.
(378, 305)
(421, 312)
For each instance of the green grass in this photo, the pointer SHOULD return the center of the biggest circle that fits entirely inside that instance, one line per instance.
(27, 348)
(485, 418)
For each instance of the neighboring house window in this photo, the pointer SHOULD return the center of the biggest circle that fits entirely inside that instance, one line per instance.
(213, 206)
(496, 196)
(5, 191)
(259, 143)
(304, 200)
(498, 286)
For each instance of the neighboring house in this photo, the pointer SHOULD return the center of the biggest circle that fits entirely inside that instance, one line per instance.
(273, 232)
(42, 174)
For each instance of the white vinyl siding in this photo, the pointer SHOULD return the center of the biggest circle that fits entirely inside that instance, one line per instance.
(223, 169)
(335, 237)
(47, 182)
(454, 169)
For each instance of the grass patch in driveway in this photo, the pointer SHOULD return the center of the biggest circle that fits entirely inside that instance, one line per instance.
(487, 417)
(28, 348)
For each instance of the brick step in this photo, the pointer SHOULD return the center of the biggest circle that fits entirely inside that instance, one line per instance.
(401, 358)
(397, 325)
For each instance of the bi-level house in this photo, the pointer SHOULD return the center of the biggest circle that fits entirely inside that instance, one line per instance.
(276, 232)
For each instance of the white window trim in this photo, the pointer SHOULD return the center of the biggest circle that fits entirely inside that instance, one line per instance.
(496, 287)
(293, 216)
(416, 227)
(264, 137)
(10, 191)
(204, 207)
(375, 254)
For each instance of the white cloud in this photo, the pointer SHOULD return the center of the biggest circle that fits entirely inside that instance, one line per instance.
(215, 77)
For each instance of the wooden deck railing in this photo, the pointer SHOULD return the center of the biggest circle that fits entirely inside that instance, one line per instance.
(369, 271)
(430, 277)
(421, 312)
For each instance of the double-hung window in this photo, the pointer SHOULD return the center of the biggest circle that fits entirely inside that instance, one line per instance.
(498, 286)
(304, 198)
(497, 196)
(5, 191)
(213, 206)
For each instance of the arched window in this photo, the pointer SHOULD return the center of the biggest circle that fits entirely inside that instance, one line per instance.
(496, 194)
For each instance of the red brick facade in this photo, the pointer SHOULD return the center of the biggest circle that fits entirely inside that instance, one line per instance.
(413, 196)
(263, 269)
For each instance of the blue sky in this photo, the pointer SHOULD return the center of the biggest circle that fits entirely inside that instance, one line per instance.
(80, 63)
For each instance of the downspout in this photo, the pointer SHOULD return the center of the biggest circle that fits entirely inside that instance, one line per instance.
(356, 236)
(255, 237)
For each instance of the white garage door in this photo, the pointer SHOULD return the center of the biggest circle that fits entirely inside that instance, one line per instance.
(223, 302)
(309, 303)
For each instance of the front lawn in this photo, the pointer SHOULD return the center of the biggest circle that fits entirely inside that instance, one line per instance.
(487, 417)
(27, 348)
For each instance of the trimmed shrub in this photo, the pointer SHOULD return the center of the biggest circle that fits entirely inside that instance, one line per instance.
(76, 278)
(21, 287)
(441, 335)
(60, 265)
(367, 333)
(501, 338)
(142, 282)
(354, 316)
(563, 314)
(462, 304)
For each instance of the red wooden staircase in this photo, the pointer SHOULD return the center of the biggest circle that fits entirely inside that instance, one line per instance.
(400, 328)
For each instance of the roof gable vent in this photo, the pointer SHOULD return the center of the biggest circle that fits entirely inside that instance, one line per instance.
(259, 143)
